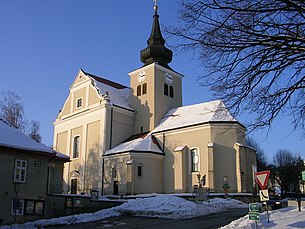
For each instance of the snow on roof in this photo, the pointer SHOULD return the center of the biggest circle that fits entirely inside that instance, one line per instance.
(61, 155)
(214, 111)
(179, 148)
(14, 138)
(146, 144)
(117, 94)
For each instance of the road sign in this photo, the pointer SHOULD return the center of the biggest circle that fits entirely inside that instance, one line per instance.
(253, 207)
(254, 215)
(303, 176)
(264, 195)
(262, 178)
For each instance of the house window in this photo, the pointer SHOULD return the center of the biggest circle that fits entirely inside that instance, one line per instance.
(144, 88)
(138, 90)
(195, 160)
(17, 207)
(34, 207)
(74, 186)
(79, 103)
(113, 173)
(165, 89)
(20, 171)
(171, 91)
(139, 170)
(76, 146)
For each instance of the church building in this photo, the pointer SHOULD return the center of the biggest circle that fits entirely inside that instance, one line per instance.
(140, 139)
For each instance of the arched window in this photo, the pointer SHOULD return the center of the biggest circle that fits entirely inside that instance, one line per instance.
(76, 146)
(165, 89)
(195, 160)
(144, 88)
(138, 90)
(171, 91)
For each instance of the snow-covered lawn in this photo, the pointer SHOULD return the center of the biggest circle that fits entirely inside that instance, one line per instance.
(284, 218)
(172, 207)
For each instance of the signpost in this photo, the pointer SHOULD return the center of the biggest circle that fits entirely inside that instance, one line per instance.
(253, 212)
(262, 178)
(264, 195)
(254, 216)
(253, 207)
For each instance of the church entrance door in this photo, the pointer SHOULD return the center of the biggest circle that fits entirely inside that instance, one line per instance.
(115, 188)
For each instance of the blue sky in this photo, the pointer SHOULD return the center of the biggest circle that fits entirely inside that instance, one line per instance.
(45, 43)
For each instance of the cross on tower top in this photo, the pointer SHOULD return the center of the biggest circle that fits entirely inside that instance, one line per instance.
(155, 6)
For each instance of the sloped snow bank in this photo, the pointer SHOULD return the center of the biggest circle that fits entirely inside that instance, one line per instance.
(66, 220)
(162, 206)
(284, 218)
(167, 206)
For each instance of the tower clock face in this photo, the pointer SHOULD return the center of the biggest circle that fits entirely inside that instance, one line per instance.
(142, 76)
(169, 78)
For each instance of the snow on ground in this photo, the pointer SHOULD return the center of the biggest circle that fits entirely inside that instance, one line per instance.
(288, 217)
(172, 207)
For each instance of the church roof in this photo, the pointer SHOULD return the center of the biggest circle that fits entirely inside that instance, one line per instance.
(214, 111)
(146, 143)
(156, 50)
(11, 137)
(117, 94)
(105, 81)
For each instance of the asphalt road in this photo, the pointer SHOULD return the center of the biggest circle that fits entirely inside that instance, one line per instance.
(132, 222)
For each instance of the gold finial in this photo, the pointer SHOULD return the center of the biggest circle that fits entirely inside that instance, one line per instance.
(155, 6)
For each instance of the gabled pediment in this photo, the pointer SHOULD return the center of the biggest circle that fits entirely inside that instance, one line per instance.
(80, 78)
(82, 95)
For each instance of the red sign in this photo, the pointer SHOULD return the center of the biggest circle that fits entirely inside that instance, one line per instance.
(262, 178)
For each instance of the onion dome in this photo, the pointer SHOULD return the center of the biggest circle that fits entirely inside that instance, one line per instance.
(156, 52)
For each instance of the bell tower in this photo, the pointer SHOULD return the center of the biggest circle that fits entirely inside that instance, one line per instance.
(156, 88)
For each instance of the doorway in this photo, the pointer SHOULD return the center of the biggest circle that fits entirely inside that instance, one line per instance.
(73, 186)
(115, 188)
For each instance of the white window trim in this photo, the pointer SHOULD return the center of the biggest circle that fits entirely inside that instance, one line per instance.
(73, 147)
(20, 168)
(17, 212)
(191, 162)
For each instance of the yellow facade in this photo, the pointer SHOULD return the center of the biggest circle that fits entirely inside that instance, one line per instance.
(123, 149)
(99, 126)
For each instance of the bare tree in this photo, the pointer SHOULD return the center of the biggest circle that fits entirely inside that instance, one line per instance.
(261, 160)
(34, 131)
(12, 112)
(287, 170)
(254, 51)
